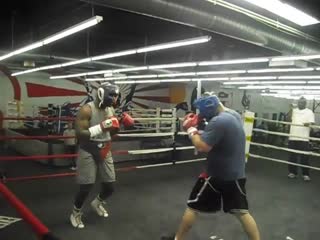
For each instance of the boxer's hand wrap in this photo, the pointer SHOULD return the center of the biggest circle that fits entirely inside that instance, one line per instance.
(190, 120)
(192, 131)
(108, 124)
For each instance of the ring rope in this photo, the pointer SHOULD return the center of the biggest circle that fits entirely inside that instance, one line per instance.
(37, 157)
(116, 152)
(49, 137)
(40, 118)
(146, 135)
(285, 123)
(284, 134)
(282, 161)
(124, 169)
(38, 227)
(285, 149)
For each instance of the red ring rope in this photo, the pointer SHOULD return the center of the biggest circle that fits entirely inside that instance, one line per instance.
(38, 227)
(40, 118)
(49, 137)
(38, 157)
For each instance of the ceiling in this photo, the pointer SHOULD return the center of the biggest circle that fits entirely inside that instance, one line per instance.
(119, 30)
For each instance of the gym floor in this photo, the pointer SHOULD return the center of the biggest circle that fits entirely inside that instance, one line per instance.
(149, 203)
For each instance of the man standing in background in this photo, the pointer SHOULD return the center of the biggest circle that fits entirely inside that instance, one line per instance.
(299, 135)
(70, 143)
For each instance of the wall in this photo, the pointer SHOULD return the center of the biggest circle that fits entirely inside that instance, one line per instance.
(37, 90)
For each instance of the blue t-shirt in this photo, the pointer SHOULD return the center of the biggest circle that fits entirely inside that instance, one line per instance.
(226, 160)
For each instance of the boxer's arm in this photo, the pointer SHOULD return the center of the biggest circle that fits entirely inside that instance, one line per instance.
(199, 144)
(83, 123)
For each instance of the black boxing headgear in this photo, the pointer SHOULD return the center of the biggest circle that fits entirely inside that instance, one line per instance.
(106, 93)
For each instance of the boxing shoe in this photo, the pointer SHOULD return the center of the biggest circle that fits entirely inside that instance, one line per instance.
(98, 207)
(76, 218)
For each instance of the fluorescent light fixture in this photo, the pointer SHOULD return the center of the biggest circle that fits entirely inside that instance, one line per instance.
(67, 76)
(142, 76)
(132, 51)
(176, 80)
(240, 83)
(285, 11)
(98, 72)
(282, 87)
(49, 67)
(76, 62)
(22, 50)
(293, 92)
(314, 82)
(177, 74)
(124, 82)
(113, 55)
(300, 77)
(289, 96)
(81, 26)
(173, 65)
(221, 72)
(264, 82)
(147, 81)
(274, 70)
(236, 61)
(95, 79)
(171, 80)
(76, 28)
(293, 58)
(130, 69)
(210, 79)
(283, 82)
(254, 78)
(174, 44)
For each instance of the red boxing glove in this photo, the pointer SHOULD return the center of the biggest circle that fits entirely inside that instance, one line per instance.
(203, 175)
(127, 120)
(190, 120)
(111, 123)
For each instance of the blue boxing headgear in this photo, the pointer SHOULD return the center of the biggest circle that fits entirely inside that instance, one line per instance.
(106, 94)
(207, 105)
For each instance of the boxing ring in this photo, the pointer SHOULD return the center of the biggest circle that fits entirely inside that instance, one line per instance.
(155, 126)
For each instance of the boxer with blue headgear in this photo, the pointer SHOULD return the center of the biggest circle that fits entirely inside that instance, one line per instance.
(222, 186)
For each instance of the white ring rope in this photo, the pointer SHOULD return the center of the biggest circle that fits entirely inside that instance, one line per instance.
(154, 119)
(150, 151)
(171, 163)
(285, 149)
(158, 150)
(146, 135)
(285, 123)
(150, 110)
(284, 134)
(282, 161)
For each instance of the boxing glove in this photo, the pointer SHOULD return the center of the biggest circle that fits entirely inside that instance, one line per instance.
(204, 175)
(127, 120)
(111, 123)
(190, 120)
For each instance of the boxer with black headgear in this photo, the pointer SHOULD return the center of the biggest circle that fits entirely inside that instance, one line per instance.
(95, 123)
(223, 139)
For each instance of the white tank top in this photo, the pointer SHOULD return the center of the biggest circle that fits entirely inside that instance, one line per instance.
(97, 116)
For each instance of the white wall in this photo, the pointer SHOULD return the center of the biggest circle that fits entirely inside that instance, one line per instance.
(7, 92)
